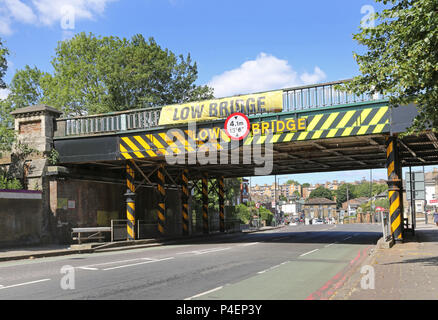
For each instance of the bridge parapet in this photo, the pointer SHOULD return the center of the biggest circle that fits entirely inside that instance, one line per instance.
(294, 99)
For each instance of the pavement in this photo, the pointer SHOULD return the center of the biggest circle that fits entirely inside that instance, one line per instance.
(407, 271)
(34, 252)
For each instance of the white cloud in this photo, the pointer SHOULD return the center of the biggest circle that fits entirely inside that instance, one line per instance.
(20, 11)
(266, 72)
(47, 12)
(4, 93)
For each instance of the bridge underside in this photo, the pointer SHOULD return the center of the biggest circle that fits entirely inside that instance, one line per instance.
(323, 155)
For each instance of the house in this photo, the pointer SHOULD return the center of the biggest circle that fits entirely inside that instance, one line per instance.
(354, 204)
(320, 208)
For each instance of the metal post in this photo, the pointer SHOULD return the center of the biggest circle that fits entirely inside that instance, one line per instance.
(412, 202)
(394, 189)
(130, 200)
(221, 204)
(161, 200)
(205, 203)
(424, 204)
(185, 202)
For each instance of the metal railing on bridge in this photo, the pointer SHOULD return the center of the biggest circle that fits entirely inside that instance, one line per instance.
(322, 95)
(111, 122)
(294, 99)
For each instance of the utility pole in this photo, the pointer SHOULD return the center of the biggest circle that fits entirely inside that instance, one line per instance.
(348, 202)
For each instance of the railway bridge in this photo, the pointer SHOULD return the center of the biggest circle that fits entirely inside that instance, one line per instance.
(315, 128)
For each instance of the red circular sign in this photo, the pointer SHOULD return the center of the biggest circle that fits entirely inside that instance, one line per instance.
(237, 126)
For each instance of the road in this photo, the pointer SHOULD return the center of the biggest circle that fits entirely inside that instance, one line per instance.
(292, 262)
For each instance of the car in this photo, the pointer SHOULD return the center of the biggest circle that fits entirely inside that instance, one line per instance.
(318, 221)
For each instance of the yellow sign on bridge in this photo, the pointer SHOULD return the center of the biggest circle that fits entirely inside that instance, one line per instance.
(221, 108)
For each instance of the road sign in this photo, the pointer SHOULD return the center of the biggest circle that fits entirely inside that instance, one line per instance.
(380, 209)
(418, 187)
(237, 126)
(257, 205)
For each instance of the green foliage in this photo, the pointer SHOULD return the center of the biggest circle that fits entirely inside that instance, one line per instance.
(384, 203)
(3, 63)
(341, 194)
(9, 184)
(26, 88)
(305, 185)
(103, 74)
(321, 192)
(7, 136)
(53, 157)
(401, 60)
(243, 213)
(232, 189)
(292, 182)
(357, 191)
(266, 215)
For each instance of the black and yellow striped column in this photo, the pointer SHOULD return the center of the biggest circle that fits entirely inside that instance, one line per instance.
(130, 201)
(185, 201)
(394, 188)
(221, 185)
(205, 228)
(161, 200)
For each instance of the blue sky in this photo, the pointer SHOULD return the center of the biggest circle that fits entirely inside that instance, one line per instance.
(240, 46)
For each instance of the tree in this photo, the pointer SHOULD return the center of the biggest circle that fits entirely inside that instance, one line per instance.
(292, 182)
(104, 74)
(401, 59)
(7, 136)
(305, 185)
(321, 192)
(3, 64)
(341, 194)
(26, 88)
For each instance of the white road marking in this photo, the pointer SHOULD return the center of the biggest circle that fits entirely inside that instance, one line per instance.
(204, 251)
(23, 284)
(90, 266)
(249, 244)
(204, 293)
(271, 268)
(87, 268)
(331, 244)
(136, 264)
(308, 252)
(348, 237)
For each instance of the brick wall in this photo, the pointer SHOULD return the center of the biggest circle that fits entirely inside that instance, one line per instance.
(30, 127)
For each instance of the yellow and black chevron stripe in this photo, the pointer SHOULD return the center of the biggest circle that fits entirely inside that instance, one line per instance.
(130, 202)
(161, 202)
(205, 202)
(221, 204)
(365, 121)
(185, 201)
(395, 203)
(334, 125)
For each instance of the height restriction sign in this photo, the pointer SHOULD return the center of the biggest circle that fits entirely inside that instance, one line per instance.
(237, 126)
